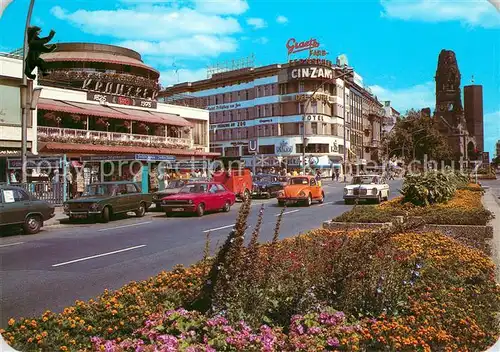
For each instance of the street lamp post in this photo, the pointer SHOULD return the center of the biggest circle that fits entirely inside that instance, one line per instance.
(26, 98)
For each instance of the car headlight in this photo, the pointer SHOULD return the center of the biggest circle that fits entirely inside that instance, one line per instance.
(155, 197)
(281, 193)
(346, 191)
(302, 194)
(94, 207)
(190, 201)
(163, 202)
(374, 190)
(66, 207)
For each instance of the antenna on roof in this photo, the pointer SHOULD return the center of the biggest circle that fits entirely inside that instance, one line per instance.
(231, 65)
(176, 70)
(472, 80)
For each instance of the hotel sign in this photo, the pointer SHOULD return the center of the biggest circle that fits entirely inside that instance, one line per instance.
(311, 72)
(224, 107)
(115, 99)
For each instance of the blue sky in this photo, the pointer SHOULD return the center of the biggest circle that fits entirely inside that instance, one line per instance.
(392, 44)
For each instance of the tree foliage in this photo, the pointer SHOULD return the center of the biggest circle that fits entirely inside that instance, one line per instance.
(416, 133)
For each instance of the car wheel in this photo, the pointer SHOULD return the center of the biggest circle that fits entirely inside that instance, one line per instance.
(32, 224)
(105, 215)
(379, 199)
(308, 201)
(141, 211)
(387, 197)
(200, 210)
(322, 199)
(227, 207)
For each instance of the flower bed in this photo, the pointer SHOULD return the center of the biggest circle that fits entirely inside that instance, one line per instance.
(465, 208)
(325, 290)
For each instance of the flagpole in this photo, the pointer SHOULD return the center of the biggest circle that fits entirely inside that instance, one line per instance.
(25, 95)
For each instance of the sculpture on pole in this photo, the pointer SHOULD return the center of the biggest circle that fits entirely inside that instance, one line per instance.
(36, 47)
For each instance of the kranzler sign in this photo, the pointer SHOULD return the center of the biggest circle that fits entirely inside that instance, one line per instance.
(114, 99)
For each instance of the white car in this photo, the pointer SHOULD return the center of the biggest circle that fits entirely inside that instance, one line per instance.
(366, 187)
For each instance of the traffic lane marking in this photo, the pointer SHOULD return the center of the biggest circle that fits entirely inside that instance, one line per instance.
(219, 228)
(124, 226)
(10, 244)
(99, 255)
(288, 212)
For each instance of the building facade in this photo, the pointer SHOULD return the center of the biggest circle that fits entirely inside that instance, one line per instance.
(261, 111)
(391, 116)
(99, 103)
(11, 69)
(473, 109)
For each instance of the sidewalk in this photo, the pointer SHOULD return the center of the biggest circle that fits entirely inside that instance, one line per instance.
(492, 203)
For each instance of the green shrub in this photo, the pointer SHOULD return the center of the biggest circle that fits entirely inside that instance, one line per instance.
(429, 188)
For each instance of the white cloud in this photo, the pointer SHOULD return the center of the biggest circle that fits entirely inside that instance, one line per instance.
(222, 7)
(256, 23)
(281, 19)
(182, 75)
(491, 123)
(3, 6)
(471, 12)
(153, 22)
(403, 99)
(194, 46)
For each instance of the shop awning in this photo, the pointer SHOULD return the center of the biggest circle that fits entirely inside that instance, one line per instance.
(112, 112)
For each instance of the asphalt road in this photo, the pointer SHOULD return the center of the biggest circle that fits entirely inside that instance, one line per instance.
(64, 263)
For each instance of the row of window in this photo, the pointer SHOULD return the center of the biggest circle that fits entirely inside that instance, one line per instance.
(271, 149)
(283, 129)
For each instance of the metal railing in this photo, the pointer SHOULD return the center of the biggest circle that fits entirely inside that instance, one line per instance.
(85, 136)
(50, 192)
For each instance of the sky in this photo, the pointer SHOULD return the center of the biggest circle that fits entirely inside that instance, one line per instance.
(392, 44)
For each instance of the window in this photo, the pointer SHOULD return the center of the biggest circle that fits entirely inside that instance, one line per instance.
(283, 89)
(301, 86)
(273, 112)
(238, 114)
(314, 107)
(266, 110)
(220, 188)
(313, 182)
(257, 92)
(314, 127)
(301, 108)
(216, 100)
(257, 111)
(131, 188)
(213, 189)
(15, 195)
(266, 90)
(239, 95)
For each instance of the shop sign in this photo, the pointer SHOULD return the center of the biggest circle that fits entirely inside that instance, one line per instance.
(223, 107)
(39, 163)
(316, 97)
(119, 89)
(318, 53)
(293, 46)
(107, 157)
(284, 148)
(311, 72)
(334, 148)
(151, 157)
(223, 126)
(115, 99)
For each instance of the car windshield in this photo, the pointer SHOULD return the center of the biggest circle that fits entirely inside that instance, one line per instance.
(100, 189)
(364, 180)
(175, 184)
(194, 188)
(299, 181)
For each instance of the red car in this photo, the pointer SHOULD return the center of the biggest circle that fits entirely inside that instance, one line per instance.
(198, 198)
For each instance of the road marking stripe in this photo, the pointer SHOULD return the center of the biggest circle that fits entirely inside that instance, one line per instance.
(121, 227)
(10, 244)
(219, 228)
(99, 255)
(288, 212)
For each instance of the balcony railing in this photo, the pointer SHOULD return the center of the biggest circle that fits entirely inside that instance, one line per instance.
(68, 135)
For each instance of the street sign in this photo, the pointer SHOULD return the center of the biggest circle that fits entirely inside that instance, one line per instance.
(253, 145)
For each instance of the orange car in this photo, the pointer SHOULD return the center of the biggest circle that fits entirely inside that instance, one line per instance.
(301, 189)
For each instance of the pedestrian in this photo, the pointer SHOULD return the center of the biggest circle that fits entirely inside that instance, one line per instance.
(337, 175)
(318, 177)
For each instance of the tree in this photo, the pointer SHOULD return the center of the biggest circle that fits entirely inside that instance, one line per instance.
(415, 136)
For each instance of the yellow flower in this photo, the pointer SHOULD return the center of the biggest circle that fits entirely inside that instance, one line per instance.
(63, 348)
(11, 322)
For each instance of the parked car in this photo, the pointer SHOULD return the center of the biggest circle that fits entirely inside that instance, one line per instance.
(266, 186)
(101, 201)
(19, 208)
(198, 198)
(237, 181)
(301, 189)
(366, 187)
(173, 187)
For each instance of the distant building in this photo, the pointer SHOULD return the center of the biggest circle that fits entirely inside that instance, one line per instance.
(391, 116)
(473, 108)
(498, 149)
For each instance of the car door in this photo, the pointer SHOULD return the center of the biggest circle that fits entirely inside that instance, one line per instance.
(315, 189)
(120, 201)
(215, 197)
(16, 204)
(223, 195)
(133, 196)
